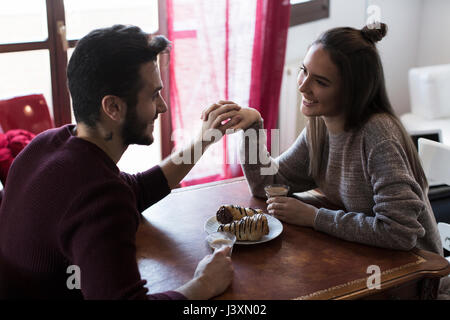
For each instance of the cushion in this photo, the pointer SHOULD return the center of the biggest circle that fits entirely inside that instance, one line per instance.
(429, 89)
(416, 123)
(11, 143)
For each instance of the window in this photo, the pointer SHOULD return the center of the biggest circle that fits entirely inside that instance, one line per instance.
(303, 11)
(37, 38)
(33, 42)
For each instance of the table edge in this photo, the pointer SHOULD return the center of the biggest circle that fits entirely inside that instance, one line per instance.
(425, 270)
(209, 184)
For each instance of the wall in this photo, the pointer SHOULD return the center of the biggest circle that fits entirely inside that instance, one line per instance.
(434, 39)
(342, 13)
(399, 50)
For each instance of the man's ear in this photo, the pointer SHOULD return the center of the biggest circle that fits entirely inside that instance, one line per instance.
(114, 108)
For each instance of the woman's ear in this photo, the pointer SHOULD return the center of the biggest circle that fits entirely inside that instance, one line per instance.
(114, 108)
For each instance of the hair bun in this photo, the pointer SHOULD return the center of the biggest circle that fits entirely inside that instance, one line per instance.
(374, 32)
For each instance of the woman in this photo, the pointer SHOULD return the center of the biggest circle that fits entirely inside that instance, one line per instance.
(354, 149)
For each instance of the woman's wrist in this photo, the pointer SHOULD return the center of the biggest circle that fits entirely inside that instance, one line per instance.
(256, 116)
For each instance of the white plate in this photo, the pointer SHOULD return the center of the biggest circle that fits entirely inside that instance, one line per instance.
(275, 229)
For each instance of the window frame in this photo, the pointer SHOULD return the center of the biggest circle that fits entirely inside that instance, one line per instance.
(309, 11)
(58, 67)
(167, 145)
(58, 60)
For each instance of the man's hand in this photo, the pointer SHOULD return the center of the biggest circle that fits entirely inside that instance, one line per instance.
(217, 119)
(215, 272)
(213, 275)
(292, 211)
(248, 117)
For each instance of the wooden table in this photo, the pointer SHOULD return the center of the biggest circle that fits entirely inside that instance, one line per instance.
(301, 263)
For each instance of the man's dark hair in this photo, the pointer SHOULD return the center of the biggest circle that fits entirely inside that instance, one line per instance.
(107, 62)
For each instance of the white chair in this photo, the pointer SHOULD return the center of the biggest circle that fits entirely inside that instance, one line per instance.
(444, 231)
(435, 158)
(429, 89)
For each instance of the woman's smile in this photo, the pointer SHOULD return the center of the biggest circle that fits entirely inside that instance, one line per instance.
(309, 102)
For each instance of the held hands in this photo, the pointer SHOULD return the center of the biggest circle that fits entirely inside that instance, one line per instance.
(217, 119)
(292, 211)
(248, 117)
(227, 115)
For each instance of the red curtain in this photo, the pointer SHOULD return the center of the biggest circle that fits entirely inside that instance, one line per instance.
(224, 50)
(269, 48)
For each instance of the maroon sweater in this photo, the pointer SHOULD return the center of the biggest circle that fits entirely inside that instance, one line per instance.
(66, 203)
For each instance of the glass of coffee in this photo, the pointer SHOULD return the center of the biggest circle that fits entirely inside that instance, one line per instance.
(219, 239)
(276, 190)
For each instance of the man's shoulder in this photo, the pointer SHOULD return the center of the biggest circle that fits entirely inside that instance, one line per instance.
(52, 135)
(55, 155)
(44, 145)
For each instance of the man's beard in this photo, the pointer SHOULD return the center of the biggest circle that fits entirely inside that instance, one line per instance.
(134, 130)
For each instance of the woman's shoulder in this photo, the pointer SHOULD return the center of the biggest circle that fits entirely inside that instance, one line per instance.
(381, 127)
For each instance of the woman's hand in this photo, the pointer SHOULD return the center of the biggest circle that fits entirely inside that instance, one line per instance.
(292, 211)
(248, 117)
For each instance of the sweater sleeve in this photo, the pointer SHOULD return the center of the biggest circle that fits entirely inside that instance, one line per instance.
(260, 169)
(398, 204)
(97, 234)
(149, 186)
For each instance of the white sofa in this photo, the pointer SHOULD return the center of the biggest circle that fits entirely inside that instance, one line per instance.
(429, 89)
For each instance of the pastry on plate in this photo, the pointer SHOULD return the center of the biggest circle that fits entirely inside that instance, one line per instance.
(249, 228)
(230, 213)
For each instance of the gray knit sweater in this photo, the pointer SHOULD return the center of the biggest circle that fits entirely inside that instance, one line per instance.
(367, 174)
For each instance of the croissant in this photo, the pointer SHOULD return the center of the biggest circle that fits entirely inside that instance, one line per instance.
(228, 213)
(251, 228)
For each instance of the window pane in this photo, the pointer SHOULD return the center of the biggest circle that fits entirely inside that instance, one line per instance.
(23, 21)
(82, 16)
(26, 73)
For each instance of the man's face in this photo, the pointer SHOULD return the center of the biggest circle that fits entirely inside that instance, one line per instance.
(139, 122)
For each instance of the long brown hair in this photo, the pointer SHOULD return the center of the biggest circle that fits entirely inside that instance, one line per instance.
(364, 92)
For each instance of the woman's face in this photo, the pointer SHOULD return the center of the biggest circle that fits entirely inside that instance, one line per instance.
(319, 84)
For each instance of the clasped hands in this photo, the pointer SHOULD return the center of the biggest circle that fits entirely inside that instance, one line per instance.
(223, 118)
